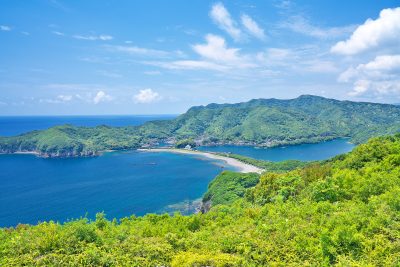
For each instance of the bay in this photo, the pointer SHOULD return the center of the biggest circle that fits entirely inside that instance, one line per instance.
(119, 183)
(304, 152)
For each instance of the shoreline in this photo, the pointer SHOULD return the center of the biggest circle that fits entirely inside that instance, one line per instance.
(241, 166)
(22, 153)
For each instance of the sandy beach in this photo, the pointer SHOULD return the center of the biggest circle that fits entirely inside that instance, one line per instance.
(241, 166)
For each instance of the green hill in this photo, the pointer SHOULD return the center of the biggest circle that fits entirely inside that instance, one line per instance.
(342, 212)
(262, 122)
(304, 119)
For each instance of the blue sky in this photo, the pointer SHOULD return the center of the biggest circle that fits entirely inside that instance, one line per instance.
(155, 57)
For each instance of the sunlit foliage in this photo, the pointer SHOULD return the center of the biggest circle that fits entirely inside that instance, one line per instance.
(344, 212)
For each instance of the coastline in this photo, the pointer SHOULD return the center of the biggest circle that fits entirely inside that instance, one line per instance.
(241, 166)
(24, 152)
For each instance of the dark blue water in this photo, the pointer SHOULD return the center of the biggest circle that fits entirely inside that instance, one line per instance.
(119, 183)
(14, 125)
(304, 152)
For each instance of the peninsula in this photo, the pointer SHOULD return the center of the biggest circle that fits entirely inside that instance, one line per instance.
(259, 122)
(241, 166)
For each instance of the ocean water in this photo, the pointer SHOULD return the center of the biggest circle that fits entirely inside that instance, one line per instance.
(34, 189)
(119, 183)
(304, 152)
(14, 125)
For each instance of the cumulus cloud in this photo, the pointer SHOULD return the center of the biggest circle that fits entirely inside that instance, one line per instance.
(146, 96)
(384, 31)
(216, 49)
(102, 37)
(5, 28)
(220, 15)
(101, 96)
(215, 55)
(387, 63)
(378, 77)
(252, 27)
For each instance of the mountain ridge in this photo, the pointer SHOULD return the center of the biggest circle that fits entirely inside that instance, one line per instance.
(258, 122)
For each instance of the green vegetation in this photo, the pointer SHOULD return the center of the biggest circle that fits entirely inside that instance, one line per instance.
(68, 140)
(185, 142)
(229, 186)
(263, 122)
(281, 166)
(269, 122)
(343, 212)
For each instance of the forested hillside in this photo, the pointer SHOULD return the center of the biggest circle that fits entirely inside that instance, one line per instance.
(304, 119)
(343, 212)
(261, 122)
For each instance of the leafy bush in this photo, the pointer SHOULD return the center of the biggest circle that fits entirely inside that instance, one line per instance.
(343, 212)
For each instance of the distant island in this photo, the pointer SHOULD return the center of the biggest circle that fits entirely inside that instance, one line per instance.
(258, 122)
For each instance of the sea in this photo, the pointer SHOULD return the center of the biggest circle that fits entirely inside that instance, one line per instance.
(120, 184)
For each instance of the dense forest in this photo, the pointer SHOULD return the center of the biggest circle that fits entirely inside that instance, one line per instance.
(261, 122)
(344, 212)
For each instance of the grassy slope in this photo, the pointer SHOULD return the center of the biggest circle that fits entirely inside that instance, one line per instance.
(342, 212)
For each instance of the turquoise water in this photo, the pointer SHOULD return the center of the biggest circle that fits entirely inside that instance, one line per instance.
(304, 152)
(118, 183)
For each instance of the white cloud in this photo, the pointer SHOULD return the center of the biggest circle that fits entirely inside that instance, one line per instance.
(5, 28)
(135, 50)
(59, 99)
(101, 96)
(64, 98)
(275, 56)
(189, 65)
(216, 49)
(383, 63)
(384, 31)
(215, 55)
(146, 96)
(377, 77)
(252, 27)
(347, 75)
(301, 25)
(58, 33)
(284, 4)
(223, 19)
(360, 87)
(101, 37)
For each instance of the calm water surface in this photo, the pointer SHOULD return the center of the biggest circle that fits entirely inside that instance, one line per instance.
(305, 152)
(119, 183)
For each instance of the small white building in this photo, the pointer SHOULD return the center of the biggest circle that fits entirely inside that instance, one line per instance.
(188, 147)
